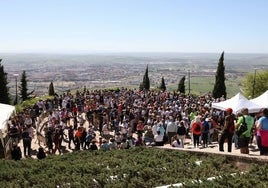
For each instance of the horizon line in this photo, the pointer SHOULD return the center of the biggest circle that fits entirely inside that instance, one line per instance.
(125, 52)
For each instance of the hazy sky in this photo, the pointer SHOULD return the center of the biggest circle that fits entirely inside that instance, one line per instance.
(75, 26)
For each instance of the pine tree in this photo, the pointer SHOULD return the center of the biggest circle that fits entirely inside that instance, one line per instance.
(219, 89)
(51, 91)
(24, 95)
(4, 90)
(181, 86)
(163, 85)
(146, 81)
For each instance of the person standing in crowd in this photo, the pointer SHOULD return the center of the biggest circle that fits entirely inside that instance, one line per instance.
(140, 128)
(148, 136)
(16, 152)
(171, 129)
(28, 121)
(49, 131)
(70, 136)
(235, 137)
(205, 132)
(26, 140)
(105, 131)
(158, 139)
(56, 141)
(228, 130)
(112, 144)
(262, 132)
(14, 132)
(212, 124)
(93, 146)
(243, 140)
(41, 153)
(196, 130)
(78, 136)
(181, 131)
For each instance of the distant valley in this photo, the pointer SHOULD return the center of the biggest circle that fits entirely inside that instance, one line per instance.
(95, 71)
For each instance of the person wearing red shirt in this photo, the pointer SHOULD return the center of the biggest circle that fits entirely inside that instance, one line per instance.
(196, 130)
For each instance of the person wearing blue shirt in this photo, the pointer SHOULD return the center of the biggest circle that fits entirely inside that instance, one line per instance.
(262, 132)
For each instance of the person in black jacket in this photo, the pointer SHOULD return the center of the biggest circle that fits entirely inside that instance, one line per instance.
(41, 153)
(228, 130)
(181, 131)
(16, 152)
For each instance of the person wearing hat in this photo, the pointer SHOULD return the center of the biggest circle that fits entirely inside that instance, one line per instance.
(228, 130)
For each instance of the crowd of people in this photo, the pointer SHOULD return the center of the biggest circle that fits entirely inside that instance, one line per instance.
(125, 118)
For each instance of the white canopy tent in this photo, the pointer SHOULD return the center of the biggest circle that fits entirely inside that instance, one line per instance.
(237, 103)
(5, 113)
(261, 100)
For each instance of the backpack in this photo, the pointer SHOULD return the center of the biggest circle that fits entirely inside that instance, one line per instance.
(206, 127)
(243, 128)
(197, 127)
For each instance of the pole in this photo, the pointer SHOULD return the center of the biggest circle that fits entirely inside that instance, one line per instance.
(16, 87)
(254, 82)
(189, 83)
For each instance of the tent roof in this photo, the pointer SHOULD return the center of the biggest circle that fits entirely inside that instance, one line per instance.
(5, 113)
(237, 103)
(261, 100)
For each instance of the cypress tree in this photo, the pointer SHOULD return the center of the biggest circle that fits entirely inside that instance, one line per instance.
(163, 85)
(181, 85)
(51, 91)
(219, 89)
(4, 90)
(24, 95)
(146, 81)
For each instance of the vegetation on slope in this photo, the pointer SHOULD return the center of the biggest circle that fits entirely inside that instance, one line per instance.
(136, 167)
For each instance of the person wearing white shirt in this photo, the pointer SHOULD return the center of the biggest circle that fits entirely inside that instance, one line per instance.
(171, 129)
(158, 139)
(177, 142)
(154, 128)
(28, 121)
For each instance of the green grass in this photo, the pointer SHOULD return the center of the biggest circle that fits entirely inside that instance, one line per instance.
(202, 85)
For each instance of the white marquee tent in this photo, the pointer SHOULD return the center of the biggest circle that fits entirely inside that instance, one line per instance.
(5, 113)
(261, 100)
(237, 103)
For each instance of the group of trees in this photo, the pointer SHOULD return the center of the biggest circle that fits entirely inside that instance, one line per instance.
(253, 84)
(219, 87)
(4, 89)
